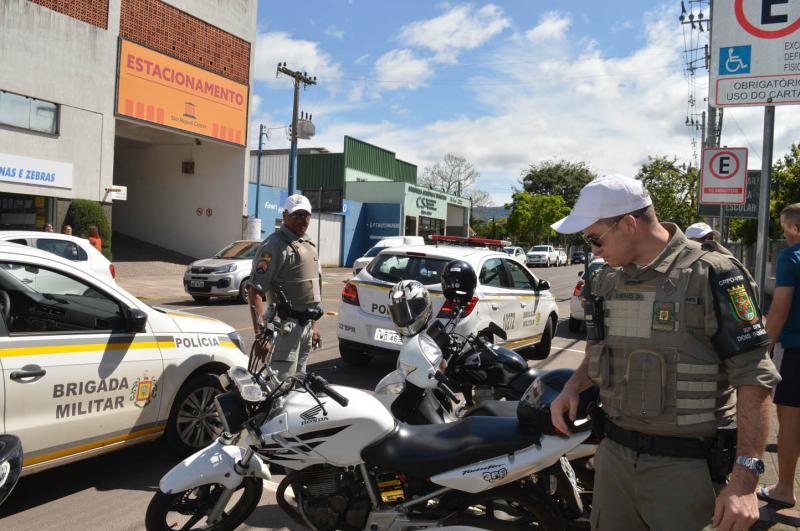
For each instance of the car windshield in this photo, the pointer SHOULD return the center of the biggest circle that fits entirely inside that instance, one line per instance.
(239, 250)
(373, 252)
(539, 248)
(577, 253)
(394, 268)
(510, 250)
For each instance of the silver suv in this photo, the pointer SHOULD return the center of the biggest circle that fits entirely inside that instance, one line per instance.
(222, 275)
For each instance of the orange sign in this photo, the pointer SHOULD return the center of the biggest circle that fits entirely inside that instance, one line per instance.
(161, 90)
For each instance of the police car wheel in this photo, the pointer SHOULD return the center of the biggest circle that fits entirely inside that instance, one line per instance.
(200, 298)
(354, 356)
(243, 291)
(188, 509)
(542, 348)
(193, 422)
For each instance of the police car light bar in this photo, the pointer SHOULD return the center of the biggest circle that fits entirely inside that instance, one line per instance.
(471, 240)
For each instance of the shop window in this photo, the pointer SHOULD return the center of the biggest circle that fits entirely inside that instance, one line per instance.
(429, 226)
(28, 113)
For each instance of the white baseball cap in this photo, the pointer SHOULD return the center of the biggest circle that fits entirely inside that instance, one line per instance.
(604, 197)
(297, 202)
(700, 230)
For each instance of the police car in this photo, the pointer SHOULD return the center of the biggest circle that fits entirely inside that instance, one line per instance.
(87, 368)
(507, 294)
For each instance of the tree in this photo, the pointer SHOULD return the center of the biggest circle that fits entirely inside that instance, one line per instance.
(531, 216)
(557, 177)
(82, 213)
(455, 175)
(673, 190)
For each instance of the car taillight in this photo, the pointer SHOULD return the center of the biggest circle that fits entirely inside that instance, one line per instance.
(112, 270)
(350, 294)
(578, 289)
(447, 308)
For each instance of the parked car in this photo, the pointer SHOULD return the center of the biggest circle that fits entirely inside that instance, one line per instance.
(515, 252)
(578, 257)
(576, 309)
(562, 257)
(542, 255)
(373, 251)
(88, 369)
(222, 275)
(507, 294)
(77, 250)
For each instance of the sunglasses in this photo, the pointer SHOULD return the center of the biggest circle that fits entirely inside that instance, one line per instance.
(301, 214)
(597, 241)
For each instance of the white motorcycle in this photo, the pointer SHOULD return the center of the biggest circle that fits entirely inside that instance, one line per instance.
(351, 466)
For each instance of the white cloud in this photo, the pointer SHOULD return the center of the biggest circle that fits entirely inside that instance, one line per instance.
(552, 26)
(460, 28)
(399, 69)
(361, 59)
(275, 47)
(333, 31)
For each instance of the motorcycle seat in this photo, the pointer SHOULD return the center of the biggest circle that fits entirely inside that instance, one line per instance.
(494, 408)
(423, 451)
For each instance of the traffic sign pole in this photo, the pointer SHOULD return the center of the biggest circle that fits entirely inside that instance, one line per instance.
(763, 202)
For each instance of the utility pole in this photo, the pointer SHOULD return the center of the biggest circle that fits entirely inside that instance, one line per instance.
(261, 133)
(305, 80)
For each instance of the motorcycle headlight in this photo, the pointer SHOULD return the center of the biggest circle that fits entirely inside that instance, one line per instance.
(236, 339)
(431, 350)
(226, 268)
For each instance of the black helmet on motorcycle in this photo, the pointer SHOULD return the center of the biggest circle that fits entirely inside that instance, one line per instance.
(534, 406)
(459, 282)
(410, 307)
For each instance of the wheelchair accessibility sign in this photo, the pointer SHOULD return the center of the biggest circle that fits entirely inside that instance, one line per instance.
(734, 60)
(755, 53)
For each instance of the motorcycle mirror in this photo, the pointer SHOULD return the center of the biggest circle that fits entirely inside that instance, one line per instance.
(495, 329)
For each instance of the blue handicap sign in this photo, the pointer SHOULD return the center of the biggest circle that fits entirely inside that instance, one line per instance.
(734, 60)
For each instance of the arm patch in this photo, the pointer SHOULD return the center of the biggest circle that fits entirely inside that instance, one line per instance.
(740, 328)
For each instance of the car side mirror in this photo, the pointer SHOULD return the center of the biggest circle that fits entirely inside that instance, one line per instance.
(543, 285)
(580, 274)
(137, 320)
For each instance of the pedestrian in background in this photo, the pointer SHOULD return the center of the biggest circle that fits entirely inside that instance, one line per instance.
(676, 345)
(48, 227)
(701, 232)
(94, 237)
(287, 265)
(67, 229)
(783, 327)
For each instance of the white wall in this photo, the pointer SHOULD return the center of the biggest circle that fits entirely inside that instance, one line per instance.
(53, 57)
(162, 201)
(327, 236)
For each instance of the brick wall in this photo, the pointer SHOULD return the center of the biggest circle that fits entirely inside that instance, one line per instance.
(170, 31)
(94, 12)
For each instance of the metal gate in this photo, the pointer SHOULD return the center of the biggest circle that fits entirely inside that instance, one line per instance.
(325, 231)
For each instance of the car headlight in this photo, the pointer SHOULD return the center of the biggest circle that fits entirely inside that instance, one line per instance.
(226, 268)
(236, 339)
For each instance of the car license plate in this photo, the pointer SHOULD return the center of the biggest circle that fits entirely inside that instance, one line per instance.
(196, 284)
(388, 336)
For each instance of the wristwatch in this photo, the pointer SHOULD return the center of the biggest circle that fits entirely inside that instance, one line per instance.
(753, 464)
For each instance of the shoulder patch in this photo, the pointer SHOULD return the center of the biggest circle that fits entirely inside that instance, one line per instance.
(738, 316)
(263, 261)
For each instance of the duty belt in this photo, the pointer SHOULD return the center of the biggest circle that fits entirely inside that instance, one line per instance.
(643, 443)
(303, 317)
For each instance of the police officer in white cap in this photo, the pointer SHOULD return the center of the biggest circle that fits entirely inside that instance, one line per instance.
(701, 232)
(286, 272)
(674, 338)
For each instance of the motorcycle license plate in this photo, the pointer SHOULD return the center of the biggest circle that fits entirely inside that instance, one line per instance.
(388, 336)
(196, 283)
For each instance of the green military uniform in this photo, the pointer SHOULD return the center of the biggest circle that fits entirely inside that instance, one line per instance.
(680, 334)
(289, 263)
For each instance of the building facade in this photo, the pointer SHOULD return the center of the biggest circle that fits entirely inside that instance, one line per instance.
(140, 105)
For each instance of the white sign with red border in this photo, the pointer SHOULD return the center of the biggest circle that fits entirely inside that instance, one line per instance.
(755, 53)
(723, 180)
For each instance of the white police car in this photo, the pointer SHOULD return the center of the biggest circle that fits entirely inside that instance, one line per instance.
(507, 294)
(87, 368)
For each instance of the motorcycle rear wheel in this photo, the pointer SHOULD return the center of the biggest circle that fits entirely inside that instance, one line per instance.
(188, 509)
(509, 509)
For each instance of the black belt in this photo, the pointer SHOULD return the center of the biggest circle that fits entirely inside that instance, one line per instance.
(304, 316)
(643, 443)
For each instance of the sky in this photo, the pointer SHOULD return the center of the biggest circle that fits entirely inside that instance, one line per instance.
(504, 84)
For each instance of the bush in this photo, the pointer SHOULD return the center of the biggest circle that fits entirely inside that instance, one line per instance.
(81, 214)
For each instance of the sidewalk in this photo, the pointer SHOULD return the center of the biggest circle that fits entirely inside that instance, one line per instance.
(786, 518)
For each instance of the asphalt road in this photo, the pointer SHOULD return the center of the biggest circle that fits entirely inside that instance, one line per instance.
(112, 491)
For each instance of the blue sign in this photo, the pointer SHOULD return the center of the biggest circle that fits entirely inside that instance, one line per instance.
(365, 225)
(271, 208)
(734, 60)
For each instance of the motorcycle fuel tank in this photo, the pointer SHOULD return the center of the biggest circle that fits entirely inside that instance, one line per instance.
(333, 433)
(496, 367)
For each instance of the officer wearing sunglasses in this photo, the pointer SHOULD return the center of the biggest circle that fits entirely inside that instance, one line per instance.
(678, 338)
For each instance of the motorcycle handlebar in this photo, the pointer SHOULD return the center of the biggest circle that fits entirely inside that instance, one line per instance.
(322, 384)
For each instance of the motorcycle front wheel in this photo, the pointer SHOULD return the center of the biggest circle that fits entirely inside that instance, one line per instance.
(188, 510)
